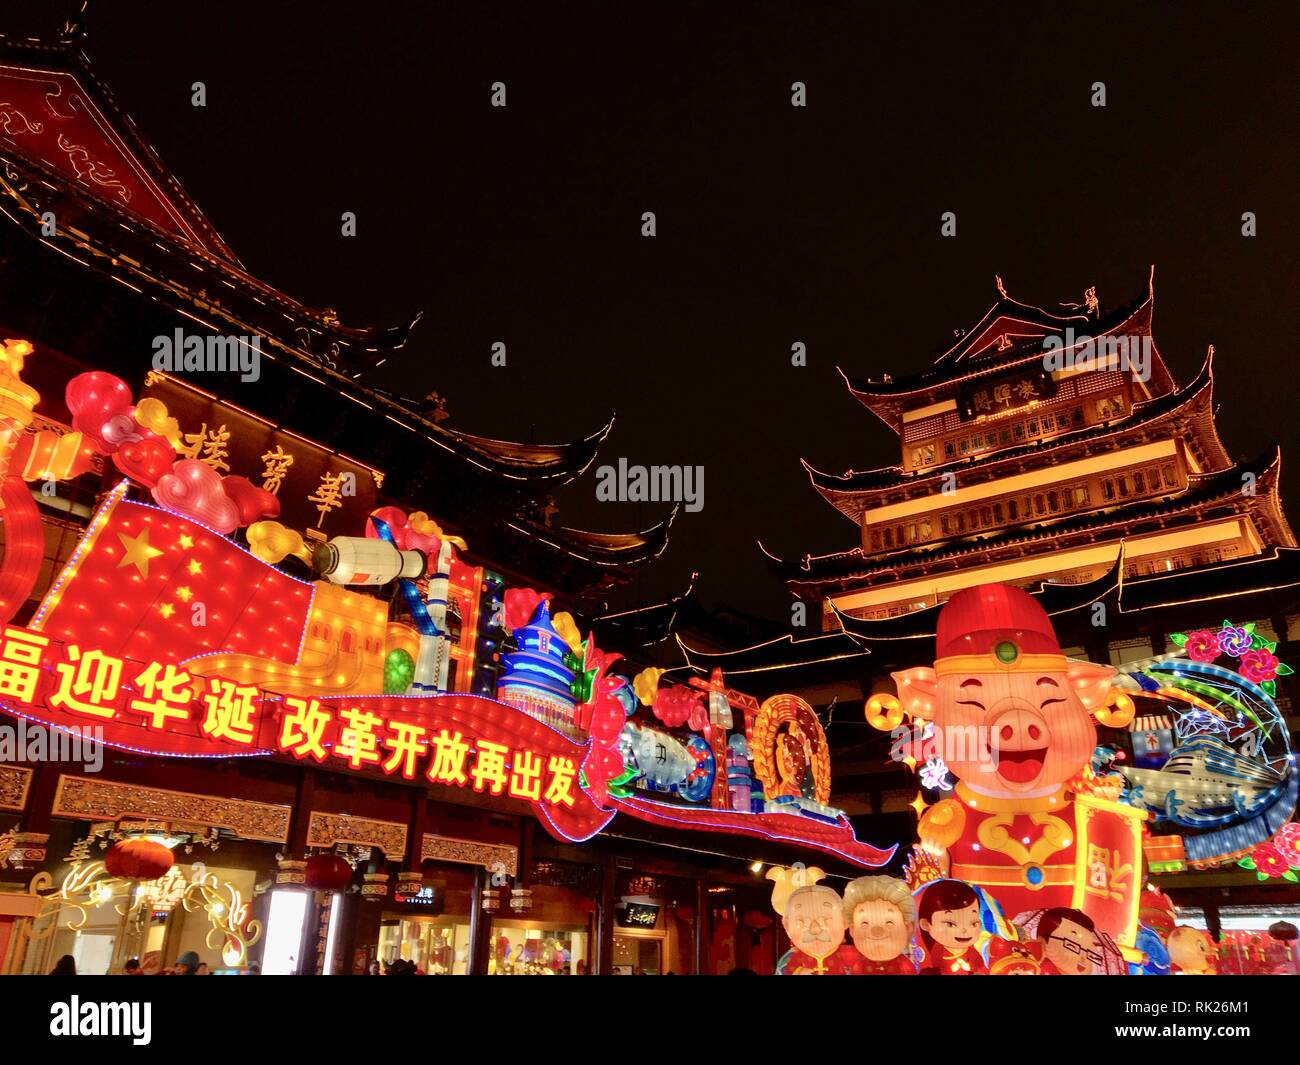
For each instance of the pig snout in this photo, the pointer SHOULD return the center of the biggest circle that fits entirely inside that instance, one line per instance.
(1019, 728)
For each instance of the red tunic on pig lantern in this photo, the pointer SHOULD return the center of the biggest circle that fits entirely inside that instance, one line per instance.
(1013, 721)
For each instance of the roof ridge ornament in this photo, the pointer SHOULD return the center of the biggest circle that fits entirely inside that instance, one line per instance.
(1002, 290)
(74, 27)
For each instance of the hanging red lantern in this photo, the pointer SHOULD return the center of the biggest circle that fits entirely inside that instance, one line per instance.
(1283, 931)
(328, 872)
(138, 859)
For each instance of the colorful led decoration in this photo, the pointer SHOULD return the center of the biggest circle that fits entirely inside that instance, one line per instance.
(1013, 722)
(1226, 782)
(537, 678)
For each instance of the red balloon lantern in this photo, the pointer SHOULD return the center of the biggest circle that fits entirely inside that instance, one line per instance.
(328, 872)
(138, 859)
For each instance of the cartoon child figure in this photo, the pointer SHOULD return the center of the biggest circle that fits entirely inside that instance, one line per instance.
(1191, 952)
(814, 921)
(950, 928)
(1070, 945)
(881, 916)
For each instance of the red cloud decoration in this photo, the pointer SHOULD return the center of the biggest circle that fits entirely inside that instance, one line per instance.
(99, 402)
(254, 503)
(145, 459)
(519, 606)
(193, 489)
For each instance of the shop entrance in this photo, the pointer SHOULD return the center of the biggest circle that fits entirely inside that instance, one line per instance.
(638, 955)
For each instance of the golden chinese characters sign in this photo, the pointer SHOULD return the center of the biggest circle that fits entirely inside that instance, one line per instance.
(317, 488)
(991, 396)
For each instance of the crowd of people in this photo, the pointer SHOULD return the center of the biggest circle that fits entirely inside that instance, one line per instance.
(188, 964)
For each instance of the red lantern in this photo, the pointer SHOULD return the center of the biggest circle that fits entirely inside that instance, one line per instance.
(328, 872)
(1283, 931)
(138, 859)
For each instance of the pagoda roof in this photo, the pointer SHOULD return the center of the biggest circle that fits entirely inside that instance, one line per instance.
(1163, 599)
(977, 355)
(1275, 572)
(594, 561)
(1204, 491)
(854, 635)
(651, 623)
(846, 491)
(122, 214)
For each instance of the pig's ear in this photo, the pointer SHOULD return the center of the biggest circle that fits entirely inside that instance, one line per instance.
(918, 689)
(1091, 683)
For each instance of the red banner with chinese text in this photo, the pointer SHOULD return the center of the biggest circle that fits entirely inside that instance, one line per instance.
(159, 708)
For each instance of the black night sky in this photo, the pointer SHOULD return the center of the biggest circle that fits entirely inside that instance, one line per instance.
(775, 224)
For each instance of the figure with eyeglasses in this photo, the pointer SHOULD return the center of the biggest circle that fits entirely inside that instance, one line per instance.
(1070, 945)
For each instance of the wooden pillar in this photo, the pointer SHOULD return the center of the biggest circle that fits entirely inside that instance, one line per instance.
(1212, 922)
(480, 927)
(744, 940)
(299, 822)
(701, 928)
(604, 965)
(366, 918)
(418, 828)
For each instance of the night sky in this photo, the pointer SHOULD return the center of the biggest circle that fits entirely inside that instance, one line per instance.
(775, 224)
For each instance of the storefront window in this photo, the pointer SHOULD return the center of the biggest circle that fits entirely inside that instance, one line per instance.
(431, 930)
(437, 946)
(531, 948)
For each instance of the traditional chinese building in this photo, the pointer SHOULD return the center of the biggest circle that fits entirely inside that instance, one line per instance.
(1050, 449)
(346, 589)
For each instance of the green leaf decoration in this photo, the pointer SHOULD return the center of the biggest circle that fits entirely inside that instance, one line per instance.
(1283, 670)
(1290, 875)
(582, 779)
(1261, 876)
(1247, 862)
(619, 792)
(1178, 639)
(626, 777)
(1270, 688)
(1270, 646)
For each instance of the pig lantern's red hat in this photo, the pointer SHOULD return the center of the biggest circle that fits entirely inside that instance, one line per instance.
(994, 619)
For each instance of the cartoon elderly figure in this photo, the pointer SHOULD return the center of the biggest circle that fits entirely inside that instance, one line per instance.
(881, 916)
(814, 921)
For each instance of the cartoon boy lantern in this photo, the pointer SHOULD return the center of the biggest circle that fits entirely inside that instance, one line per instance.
(881, 916)
(1013, 721)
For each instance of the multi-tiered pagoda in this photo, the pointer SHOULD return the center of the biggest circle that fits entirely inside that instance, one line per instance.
(1025, 457)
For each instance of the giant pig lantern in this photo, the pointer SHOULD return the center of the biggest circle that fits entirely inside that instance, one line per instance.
(1013, 719)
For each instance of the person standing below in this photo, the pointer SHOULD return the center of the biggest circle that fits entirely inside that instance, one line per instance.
(65, 966)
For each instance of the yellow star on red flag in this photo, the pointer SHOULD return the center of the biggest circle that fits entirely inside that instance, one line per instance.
(137, 552)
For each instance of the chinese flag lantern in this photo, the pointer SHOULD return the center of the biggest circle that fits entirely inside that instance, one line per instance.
(138, 859)
(328, 872)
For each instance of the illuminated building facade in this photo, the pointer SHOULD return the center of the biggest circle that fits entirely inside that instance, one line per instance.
(324, 561)
(1053, 450)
